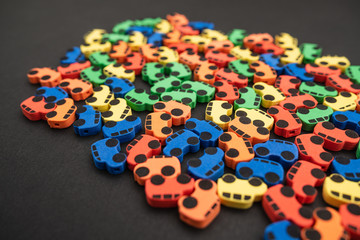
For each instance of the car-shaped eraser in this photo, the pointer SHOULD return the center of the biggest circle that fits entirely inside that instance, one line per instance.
(106, 155)
(180, 143)
(209, 166)
(124, 130)
(283, 152)
(269, 171)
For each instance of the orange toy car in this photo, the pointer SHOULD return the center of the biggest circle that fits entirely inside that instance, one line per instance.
(226, 91)
(243, 127)
(298, 100)
(287, 84)
(222, 46)
(327, 226)
(202, 206)
(350, 219)
(321, 72)
(150, 52)
(236, 149)
(158, 124)
(35, 108)
(73, 70)
(172, 37)
(191, 59)
(78, 89)
(220, 59)
(311, 149)
(165, 192)
(250, 40)
(181, 47)
(179, 112)
(119, 51)
(47, 77)
(140, 149)
(205, 72)
(168, 167)
(134, 61)
(64, 114)
(177, 19)
(287, 123)
(263, 73)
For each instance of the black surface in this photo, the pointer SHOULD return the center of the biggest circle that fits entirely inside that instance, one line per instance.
(49, 185)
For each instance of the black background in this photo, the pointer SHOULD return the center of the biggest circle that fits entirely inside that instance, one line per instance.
(49, 185)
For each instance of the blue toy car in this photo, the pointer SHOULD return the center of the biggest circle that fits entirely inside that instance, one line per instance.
(156, 39)
(270, 172)
(298, 70)
(106, 154)
(88, 121)
(282, 230)
(209, 166)
(349, 168)
(207, 131)
(284, 152)
(273, 61)
(199, 25)
(180, 143)
(124, 130)
(73, 55)
(119, 86)
(51, 94)
(346, 120)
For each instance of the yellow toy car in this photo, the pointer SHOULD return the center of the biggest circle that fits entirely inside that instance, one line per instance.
(257, 116)
(167, 55)
(214, 35)
(270, 95)
(337, 190)
(87, 49)
(118, 111)
(240, 193)
(285, 40)
(101, 98)
(200, 41)
(117, 70)
(343, 102)
(94, 36)
(136, 40)
(340, 62)
(291, 55)
(163, 26)
(245, 54)
(219, 112)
